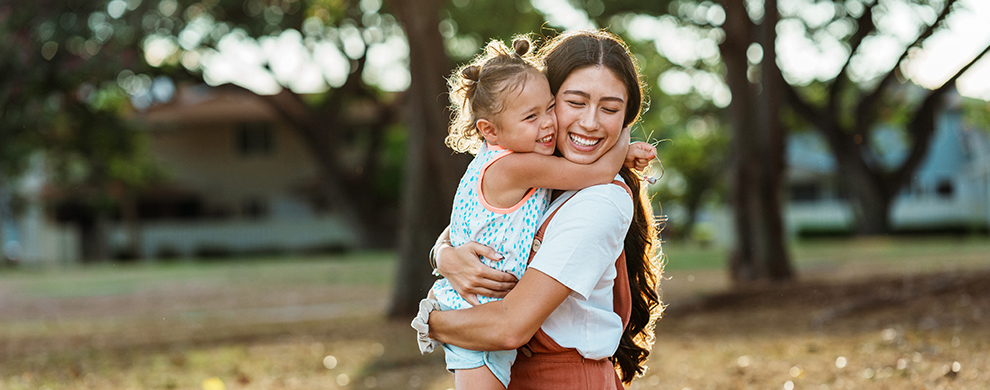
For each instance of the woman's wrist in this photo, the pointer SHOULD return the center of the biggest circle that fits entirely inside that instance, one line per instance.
(435, 256)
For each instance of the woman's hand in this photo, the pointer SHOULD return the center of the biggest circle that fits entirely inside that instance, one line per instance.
(470, 277)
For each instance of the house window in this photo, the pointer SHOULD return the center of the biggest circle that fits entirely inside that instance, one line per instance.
(254, 139)
(254, 208)
(945, 188)
(806, 192)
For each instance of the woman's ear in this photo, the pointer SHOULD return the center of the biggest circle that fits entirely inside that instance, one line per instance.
(487, 129)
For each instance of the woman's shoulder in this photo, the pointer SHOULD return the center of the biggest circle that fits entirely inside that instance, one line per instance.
(611, 191)
(597, 199)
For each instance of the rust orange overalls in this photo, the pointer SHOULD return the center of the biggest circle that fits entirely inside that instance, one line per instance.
(542, 364)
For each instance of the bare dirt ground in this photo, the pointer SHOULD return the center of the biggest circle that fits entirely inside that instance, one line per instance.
(867, 323)
(920, 331)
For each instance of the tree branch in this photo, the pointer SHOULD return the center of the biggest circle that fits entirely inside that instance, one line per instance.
(868, 103)
(865, 27)
(922, 125)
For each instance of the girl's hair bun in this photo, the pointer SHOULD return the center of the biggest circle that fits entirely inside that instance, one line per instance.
(471, 73)
(520, 46)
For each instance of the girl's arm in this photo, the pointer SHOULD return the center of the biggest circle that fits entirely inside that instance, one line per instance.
(501, 325)
(534, 170)
(639, 155)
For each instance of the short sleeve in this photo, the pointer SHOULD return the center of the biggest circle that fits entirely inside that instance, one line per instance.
(585, 237)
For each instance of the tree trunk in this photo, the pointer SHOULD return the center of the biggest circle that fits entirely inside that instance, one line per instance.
(432, 172)
(132, 224)
(756, 180)
(773, 248)
(101, 234)
(737, 29)
(870, 206)
(692, 205)
(4, 214)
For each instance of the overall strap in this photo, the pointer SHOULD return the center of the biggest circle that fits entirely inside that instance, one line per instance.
(621, 294)
(538, 237)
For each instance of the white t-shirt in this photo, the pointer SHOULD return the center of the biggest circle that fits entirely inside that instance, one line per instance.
(579, 250)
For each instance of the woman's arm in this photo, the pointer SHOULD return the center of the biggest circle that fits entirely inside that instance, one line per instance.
(501, 325)
(534, 170)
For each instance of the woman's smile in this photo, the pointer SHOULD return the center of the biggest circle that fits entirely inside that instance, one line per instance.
(584, 142)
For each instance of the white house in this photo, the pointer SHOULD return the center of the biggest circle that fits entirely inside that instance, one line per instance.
(239, 181)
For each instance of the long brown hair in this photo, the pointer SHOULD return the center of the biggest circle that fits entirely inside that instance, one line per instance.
(565, 54)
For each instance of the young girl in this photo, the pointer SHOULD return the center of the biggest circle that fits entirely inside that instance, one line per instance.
(504, 112)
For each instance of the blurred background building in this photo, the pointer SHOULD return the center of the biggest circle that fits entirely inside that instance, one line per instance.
(949, 192)
(237, 182)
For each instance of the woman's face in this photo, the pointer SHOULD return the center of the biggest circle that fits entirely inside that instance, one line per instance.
(590, 108)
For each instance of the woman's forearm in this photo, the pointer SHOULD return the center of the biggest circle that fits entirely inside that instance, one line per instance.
(505, 324)
(477, 328)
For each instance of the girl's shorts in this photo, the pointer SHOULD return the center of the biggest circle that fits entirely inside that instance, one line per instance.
(499, 362)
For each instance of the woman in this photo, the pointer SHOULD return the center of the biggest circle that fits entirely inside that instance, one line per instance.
(562, 314)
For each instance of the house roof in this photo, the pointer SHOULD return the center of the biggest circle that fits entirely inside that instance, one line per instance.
(203, 104)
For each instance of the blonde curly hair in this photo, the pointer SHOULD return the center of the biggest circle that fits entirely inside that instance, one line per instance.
(478, 89)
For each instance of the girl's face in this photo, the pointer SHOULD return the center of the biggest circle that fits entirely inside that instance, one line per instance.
(528, 123)
(591, 106)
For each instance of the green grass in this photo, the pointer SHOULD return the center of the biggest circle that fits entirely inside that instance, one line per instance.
(365, 268)
(683, 257)
(929, 253)
(377, 268)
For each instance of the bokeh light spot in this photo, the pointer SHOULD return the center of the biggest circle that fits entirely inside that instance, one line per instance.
(743, 361)
(330, 362)
(213, 383)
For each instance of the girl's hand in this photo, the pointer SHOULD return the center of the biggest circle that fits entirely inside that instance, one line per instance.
(470, 277)
(639, 155)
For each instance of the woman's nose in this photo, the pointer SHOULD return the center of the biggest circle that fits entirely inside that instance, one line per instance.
(588, 120)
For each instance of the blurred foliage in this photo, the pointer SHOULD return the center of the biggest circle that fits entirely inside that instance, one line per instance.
(469, 24)
(690, 131)
(60, 61)
(976, 114)
(692, 177)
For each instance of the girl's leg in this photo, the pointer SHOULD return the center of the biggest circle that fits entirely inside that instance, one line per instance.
(480, 378)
